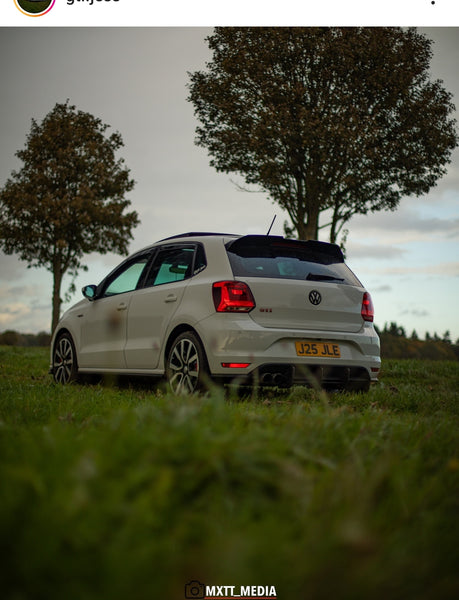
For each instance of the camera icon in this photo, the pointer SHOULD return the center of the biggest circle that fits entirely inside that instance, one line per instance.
(195, 590)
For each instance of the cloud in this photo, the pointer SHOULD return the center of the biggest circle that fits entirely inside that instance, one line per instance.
(405, 221)
(11, 267)
(12, 312)
(378, 251)
(25, 307)
(415, 312)
(450, 269)
(22, 291)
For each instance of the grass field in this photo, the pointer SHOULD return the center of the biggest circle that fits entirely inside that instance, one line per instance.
(116, 492)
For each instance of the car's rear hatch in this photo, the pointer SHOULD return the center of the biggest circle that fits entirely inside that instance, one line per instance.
(298, 285)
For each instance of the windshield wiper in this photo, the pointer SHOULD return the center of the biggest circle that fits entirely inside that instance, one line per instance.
(318, 277)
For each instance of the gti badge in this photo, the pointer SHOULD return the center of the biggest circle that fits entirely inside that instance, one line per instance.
(314, 297)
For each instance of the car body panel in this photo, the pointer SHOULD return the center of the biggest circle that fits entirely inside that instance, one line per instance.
(238, 339)
(150, 313)
(103, 326)
(286, 304)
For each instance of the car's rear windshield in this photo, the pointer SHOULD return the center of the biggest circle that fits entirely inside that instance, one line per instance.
(279, 258)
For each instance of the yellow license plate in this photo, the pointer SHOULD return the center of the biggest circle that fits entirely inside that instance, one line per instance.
(318, 349)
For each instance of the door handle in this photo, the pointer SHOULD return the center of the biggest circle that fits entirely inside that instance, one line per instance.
(122, 306)
(171, 298)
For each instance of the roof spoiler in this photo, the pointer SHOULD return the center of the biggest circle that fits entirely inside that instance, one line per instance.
(332, 251)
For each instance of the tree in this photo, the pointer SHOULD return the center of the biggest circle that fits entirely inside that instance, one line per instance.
(395, 330)
(447, 337)
(68, 198)
(344, 120)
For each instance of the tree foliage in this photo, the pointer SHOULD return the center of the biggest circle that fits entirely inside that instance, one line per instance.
(344, 120)
(68, 199)
(395, 344)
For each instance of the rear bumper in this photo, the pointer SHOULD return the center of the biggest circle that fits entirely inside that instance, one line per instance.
(313, 376)
(271, 354)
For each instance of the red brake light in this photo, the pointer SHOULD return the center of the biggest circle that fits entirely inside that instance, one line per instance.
(232, 296)
(368, 310)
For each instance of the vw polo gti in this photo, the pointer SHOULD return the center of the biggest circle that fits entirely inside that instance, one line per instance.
(251, 310)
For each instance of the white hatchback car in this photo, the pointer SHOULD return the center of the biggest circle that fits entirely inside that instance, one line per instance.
(253, 310)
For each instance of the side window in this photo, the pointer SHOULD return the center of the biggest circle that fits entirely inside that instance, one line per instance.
(171, 264)
(128, 278)
(200, 262)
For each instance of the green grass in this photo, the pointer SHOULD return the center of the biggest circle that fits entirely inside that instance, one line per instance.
(114, 492)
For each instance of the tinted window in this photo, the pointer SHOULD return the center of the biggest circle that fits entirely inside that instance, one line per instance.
(127, 279)
(171, 264)
(283, 259)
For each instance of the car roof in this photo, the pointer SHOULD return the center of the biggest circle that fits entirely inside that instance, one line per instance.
(184, 236)
(198, 234)
(325, 248)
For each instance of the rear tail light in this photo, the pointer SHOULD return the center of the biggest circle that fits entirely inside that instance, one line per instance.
(368, 310)
(232, 296)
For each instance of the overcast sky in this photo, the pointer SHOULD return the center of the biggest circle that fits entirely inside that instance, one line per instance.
(135, 80)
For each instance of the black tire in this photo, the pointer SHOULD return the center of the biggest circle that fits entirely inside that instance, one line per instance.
(65, 366)
(186, 366)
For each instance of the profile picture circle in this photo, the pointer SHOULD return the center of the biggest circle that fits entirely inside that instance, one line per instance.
(34, 8)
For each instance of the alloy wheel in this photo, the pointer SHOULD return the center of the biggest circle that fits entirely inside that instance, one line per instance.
(64, 361)
(184, 366)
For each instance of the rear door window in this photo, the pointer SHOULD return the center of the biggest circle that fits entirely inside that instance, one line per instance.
(175, 263)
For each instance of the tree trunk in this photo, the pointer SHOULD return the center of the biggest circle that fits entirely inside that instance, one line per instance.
(336, 226)
(333, 228)
(310, 229)
(57, 280)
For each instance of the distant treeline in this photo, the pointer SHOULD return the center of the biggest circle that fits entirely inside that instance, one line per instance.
(14, 338)
(394, 343)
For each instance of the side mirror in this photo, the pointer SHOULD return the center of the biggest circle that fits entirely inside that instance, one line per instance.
(89, 291)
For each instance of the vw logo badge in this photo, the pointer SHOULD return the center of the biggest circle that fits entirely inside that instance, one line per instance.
(314, 297)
